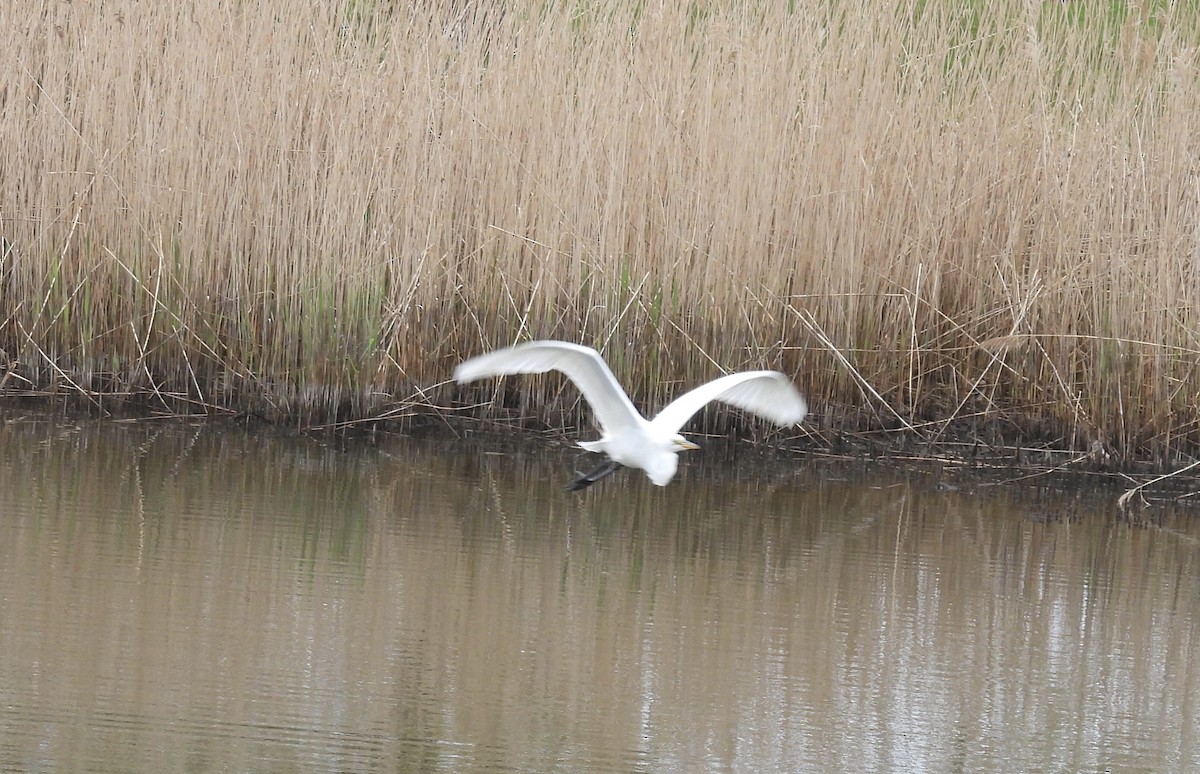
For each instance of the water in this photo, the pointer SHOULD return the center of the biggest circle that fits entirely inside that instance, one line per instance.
(199, 598)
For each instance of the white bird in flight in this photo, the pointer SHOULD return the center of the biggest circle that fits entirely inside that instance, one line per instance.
(626, 436)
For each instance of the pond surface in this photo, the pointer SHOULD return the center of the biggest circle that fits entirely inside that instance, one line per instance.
(192, 598)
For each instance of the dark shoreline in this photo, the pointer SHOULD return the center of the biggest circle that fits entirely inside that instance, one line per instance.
(957, 460)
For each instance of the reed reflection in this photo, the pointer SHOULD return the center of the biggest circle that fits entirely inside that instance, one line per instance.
(191, 596)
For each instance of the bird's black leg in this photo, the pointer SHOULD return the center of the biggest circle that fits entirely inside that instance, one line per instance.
(584, 480)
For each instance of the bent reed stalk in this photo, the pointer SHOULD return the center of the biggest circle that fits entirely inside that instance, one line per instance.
(935, 216)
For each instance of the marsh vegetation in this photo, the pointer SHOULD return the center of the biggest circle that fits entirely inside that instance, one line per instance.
(969, 220)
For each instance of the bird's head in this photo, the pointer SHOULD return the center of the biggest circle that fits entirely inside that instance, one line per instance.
(678, 443)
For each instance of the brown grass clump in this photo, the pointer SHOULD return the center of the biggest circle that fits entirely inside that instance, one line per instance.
(982, 216)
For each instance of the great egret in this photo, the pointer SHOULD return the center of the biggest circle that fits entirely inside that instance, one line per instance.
(627, 437)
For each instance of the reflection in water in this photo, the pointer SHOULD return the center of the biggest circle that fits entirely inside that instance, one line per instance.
(194, 598)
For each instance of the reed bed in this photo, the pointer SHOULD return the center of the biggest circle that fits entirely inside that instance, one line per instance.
(946, 221)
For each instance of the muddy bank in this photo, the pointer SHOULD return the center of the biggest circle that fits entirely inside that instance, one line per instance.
(957, 458)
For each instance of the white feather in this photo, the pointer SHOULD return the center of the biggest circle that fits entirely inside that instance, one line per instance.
(627, 437)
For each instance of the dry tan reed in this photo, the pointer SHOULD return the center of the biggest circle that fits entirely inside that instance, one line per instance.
(979, 217)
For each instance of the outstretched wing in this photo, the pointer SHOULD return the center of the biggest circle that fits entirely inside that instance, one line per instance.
(582, 365)
(769, 394)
